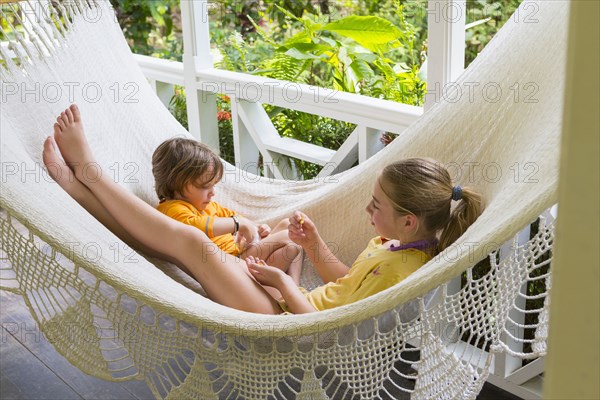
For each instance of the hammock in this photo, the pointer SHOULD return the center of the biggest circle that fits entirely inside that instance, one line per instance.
(117, 315)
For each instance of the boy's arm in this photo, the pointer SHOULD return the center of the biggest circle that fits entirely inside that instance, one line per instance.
(186, 215)
(211, 225)
(224, 223)
(246, 228)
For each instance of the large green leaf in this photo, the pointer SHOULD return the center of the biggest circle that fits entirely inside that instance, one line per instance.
(301, 37)
(314, 48)
(361, 70)
(300, 55)
(368, 31)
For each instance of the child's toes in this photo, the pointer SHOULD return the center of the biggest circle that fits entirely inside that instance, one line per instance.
(69, 114)
(47, 149)
(75, 111)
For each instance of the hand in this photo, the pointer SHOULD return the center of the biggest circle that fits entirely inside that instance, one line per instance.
(264, 230)
(247, 231)
(265, 274)
(302, 230)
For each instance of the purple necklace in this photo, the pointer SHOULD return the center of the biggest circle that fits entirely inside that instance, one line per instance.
(419, 245)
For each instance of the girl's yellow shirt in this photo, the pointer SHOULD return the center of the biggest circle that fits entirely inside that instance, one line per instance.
(376, 269)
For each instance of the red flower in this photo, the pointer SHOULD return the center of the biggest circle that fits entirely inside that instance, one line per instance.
(223, 115)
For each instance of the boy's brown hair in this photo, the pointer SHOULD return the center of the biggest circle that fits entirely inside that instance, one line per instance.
(178, 162)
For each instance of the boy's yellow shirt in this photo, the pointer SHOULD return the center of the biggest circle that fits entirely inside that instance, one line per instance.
(204, 220)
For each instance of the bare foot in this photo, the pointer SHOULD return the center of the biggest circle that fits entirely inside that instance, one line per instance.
(58, 170)
(71, 141)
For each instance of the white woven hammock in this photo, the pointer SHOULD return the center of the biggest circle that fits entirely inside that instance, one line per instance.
(117, 316)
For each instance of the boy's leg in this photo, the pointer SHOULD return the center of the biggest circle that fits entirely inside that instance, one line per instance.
(279, 251)
(281, 226)
(217, 272)
(269, 246)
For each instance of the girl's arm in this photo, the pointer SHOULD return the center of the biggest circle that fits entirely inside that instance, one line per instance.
(327, 264)
(304, 232)
(294, 298)
(274, 277)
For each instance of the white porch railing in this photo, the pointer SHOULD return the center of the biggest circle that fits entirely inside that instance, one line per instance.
(253, 131)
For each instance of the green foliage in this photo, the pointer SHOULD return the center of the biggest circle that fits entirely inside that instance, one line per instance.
(151, 28)
(8, 22)
(498, 13)
(371, 47)
(233, 16)
(356, 54)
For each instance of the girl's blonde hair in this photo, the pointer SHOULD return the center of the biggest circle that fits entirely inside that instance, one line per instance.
(178, 162)
(423, 187)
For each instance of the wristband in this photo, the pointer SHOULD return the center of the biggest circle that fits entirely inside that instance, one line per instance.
(236, 224)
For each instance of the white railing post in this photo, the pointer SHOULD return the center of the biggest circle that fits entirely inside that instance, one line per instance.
(245, 151)
(164, 91)
(446, 46)
(201, 105)
(369, 142)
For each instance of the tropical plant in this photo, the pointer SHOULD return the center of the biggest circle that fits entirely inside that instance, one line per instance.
(151, 27)
(497, 14)
(356, 54)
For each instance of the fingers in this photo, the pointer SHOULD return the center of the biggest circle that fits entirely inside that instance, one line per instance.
(264, 230)
(294, 232)
(255, 261)
(297, 220)
(255, 264)
(298, 224)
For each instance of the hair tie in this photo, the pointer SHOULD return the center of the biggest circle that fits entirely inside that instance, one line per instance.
(456, 193)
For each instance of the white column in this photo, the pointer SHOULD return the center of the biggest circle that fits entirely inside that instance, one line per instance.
(201, 106)
(245, 150)
(369, 142)
(573, 361)
(446, 46)
(163, 90)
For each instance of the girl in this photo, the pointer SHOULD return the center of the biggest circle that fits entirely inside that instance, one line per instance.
(411, 202)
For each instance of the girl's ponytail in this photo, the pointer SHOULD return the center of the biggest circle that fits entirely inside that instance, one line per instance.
(423, 187)
(468, 209)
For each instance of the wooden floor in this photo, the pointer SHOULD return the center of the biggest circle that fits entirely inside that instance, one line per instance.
(30, 368)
